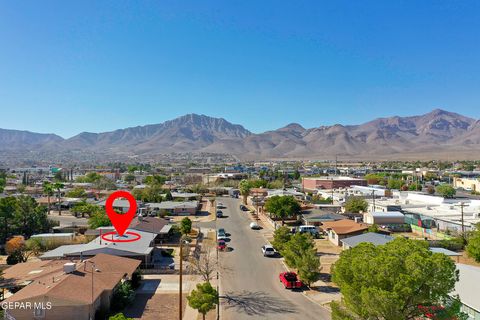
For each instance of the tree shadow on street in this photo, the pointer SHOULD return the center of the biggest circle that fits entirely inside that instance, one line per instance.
(256, 303)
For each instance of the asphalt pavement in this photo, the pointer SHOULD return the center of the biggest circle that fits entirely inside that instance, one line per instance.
(249, 283)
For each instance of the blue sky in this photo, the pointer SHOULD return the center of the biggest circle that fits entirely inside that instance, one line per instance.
(67, 67)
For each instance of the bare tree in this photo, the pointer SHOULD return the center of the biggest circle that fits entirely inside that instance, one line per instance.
(205, 264)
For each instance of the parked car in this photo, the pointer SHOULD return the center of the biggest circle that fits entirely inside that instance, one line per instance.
(221, 234)
(243, 208)
(220, 205)
(290, 280)
(268, 250)
(222, 245)
(309, 229)
(254, 226)
(219, 214)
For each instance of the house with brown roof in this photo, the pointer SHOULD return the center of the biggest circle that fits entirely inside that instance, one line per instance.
(77, 291)
(158, 226)
(341, 229)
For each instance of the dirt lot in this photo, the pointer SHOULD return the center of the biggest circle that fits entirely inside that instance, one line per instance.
(157, 306)
(328, 252)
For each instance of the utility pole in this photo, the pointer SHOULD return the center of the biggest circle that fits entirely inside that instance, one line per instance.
(373, 198)
(335, 166)
(462, 205)
(180, 302)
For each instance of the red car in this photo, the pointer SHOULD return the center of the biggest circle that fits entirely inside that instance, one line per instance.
(222, 245)
(290, 280)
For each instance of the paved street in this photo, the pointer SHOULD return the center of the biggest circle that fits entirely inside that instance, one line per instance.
(66, 219)
(249, 283)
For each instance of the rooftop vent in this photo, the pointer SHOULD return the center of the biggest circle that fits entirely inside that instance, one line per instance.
(69, 267)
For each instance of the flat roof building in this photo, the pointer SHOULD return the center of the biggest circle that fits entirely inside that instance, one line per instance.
(312, 184)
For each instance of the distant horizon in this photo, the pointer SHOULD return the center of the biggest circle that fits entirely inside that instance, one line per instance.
(241, 124)
(97, 66)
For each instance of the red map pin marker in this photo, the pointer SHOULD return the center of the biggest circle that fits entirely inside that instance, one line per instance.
(121, 221)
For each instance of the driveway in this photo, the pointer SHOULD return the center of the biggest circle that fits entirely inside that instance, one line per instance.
(249, 284)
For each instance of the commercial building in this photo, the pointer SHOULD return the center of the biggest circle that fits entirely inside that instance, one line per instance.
(384, 218)
(468, 184)
(313, 184)
(467, 288)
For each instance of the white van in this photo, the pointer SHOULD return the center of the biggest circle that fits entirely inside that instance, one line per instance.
(308, 229)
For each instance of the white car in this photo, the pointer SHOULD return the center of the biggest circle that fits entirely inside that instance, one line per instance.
(254, 226)
(268, 250)
(221, 234)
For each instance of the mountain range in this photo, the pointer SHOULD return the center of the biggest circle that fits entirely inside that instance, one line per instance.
(438, 134)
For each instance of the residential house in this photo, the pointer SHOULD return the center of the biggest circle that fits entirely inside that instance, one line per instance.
(186, 208)
(77, 291)
(317, 217)
(371, 237)
(157, 226)
(341, 229)
(140, 249)
(121, 205)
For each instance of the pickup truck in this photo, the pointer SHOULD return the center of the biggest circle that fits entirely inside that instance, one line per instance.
(290, 280)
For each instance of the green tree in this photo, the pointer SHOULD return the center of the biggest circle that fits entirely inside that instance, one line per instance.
(155, 180)
(282, 207)
(168, 196)
(446, 191)
(415, 187)
(309, 266)
(129, 178)
(295, 248)
(3, 180)
(244, 187)
(99, 219)
(373, 178)
(49, 191)
(186, 225)
(391, 281)
(77, 193)
(473, 244)
(29, 217)
(58, 176)
(394, 184)
(84, 207)
(373, 228)
(7, 212)
(431, 190)
(296, 175)
(356, 204)
(123, 295)
(58, 186)
(280, 238)
(119, 316)
(203, 299)
(152, 193)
